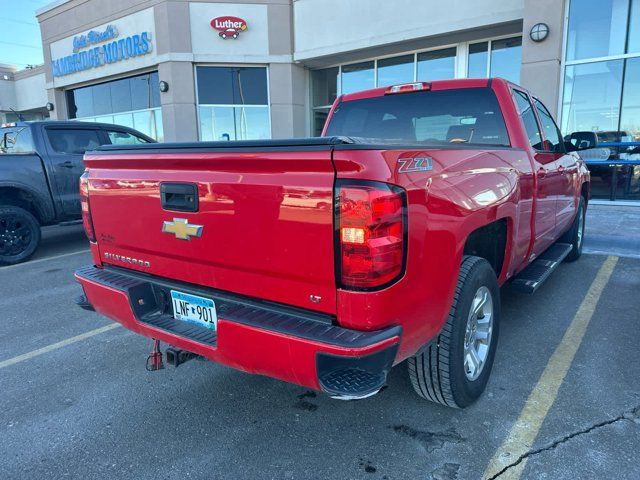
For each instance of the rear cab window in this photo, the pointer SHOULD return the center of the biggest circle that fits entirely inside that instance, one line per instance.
(469, 116)
(16, 140)
(73, 141)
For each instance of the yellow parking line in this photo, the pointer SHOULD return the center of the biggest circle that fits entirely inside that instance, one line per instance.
(526, 428)
(57, 345)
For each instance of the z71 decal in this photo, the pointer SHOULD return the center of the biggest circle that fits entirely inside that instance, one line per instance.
(417, 164)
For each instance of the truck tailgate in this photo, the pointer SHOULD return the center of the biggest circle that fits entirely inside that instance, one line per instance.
(265, 220)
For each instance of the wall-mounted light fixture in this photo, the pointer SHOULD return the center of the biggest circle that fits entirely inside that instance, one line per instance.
(49, 106)
(164, 86)
(539, 32)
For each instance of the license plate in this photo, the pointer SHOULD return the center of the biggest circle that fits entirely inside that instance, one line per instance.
(194, 309)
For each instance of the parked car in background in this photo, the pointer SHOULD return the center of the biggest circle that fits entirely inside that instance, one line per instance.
(40, 166)
(438, 193)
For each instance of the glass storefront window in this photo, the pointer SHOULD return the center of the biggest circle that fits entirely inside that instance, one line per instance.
(358, 76)
(597, 28)
(630, 117)
(591, 98)
(133, 102)
(603, 96)
(437, 65)
(232, 86)
(506, 57)
(478, 60)
(324, 86)
(128, 94)
(233, 103)
(319, 118)
(147, 121)
(234, 123)
(633, 43)
(392, 71)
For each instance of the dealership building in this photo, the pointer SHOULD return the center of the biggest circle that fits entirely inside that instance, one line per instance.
(183, 70)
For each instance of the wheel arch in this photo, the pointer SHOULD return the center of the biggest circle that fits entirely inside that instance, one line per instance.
(23, 197)
(491, 242)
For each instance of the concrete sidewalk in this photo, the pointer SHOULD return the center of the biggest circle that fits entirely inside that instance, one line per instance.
(613, 230)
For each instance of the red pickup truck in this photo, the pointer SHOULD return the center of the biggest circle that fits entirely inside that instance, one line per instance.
(326, 261)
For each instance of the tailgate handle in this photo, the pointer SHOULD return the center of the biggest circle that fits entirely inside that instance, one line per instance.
(182, 197)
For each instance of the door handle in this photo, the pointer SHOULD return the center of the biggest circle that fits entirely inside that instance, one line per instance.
(67, 164)
(542, 172)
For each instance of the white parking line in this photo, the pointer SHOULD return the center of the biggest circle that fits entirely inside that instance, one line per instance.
(31, 262)
(57, 345)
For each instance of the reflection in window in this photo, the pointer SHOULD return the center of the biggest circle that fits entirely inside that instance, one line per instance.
(319, 118)
(148, 121)
(551, 134)
(356, 77)
(234, 123)
(528, 119)
(597, 28)
(125, 95)
(437, 65)
(477, 61)
(124, 138)
(233, 103)
(18, 140)
(232, 86)
(591, 98)
(506, 57)
(633, 43)
(324, 86)
(630, 118)
(324, 90)
(133, 102)
(392, 71)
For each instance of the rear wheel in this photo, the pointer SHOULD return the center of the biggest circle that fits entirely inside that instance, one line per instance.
(575, 235)
(454, 369)
(19, 235)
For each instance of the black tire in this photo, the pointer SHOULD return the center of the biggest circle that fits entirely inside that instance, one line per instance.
(438, 372)
(19, 235)
(574, 236)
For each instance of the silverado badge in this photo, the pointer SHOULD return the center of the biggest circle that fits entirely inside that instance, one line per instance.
(182, 229)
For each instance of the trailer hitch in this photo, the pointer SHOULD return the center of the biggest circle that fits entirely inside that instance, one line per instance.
(177, 357)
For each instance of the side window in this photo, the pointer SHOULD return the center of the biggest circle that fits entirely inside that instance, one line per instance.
(7, 136)
(124, 138)
(73, 141)
(18, 140)
(529, 119)
(552, 134)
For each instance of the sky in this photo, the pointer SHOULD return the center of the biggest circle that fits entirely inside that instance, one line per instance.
(20, 42)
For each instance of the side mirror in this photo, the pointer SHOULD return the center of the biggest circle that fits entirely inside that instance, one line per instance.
(581, 141)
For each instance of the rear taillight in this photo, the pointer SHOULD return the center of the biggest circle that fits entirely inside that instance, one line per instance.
(87, 222)
(371, 234)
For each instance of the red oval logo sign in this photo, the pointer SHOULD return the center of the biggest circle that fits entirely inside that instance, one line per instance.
(229, 27)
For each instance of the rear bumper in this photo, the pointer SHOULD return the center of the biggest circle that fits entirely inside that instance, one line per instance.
(291, 344)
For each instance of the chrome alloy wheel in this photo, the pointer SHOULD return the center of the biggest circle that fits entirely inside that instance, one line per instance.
(477, 337)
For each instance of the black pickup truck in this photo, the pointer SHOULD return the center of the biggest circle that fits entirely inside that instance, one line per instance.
(40, 166)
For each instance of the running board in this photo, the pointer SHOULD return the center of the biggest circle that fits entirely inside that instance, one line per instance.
(532, 277)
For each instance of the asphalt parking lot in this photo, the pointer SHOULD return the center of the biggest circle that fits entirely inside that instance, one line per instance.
(563, 400)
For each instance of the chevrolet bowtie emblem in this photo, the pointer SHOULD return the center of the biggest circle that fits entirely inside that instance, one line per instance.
(182, 229)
